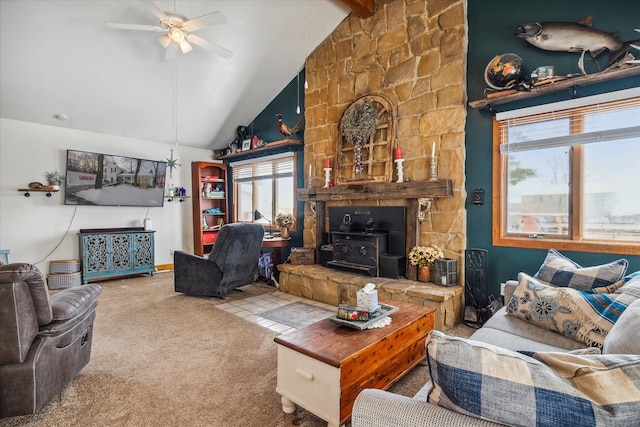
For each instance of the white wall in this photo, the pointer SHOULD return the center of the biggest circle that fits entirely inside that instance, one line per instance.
(33, 227)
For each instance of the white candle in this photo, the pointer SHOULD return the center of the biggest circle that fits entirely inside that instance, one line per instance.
(433, 150)
(309, 171)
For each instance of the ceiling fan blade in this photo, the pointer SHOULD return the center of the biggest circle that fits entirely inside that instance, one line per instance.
(210, 46)
(133, 27)
(171, 53)
(160, 14)
(213, 18)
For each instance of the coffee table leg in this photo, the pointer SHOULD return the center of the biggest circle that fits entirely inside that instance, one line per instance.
(288, 407)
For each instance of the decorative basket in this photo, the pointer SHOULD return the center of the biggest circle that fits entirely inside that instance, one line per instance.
(63, 281)
(64, 266)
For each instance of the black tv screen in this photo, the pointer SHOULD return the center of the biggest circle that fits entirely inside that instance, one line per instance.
(109, 180)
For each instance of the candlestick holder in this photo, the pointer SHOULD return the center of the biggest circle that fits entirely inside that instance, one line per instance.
(309, 182)
(400, 171)
(327, 177)
(433, 174)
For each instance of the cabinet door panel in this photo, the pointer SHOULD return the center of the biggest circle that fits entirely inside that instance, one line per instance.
(121, 251)
(96, 253)
(143, 252)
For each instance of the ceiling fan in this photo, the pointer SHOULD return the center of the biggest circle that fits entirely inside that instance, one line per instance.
(178, 30)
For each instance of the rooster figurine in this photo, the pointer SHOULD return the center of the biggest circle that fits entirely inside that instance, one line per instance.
(286, 130)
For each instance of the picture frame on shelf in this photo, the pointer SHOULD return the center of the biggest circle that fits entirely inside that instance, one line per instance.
(246, 145)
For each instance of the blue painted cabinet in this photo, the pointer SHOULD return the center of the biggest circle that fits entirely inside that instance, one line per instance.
(113, 252)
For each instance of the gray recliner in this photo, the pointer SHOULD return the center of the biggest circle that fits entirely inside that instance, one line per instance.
(44, 341)
(232, 263)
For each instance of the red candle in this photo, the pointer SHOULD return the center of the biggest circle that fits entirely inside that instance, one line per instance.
(327, 162)
(398, 153)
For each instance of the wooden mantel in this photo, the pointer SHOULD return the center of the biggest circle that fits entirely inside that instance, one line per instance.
(378, 190)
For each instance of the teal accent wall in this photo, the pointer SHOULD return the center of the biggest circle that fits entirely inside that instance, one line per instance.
(491, 31)
(265, 125)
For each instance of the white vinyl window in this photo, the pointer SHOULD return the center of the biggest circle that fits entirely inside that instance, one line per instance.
(567, 175)
(266, 185)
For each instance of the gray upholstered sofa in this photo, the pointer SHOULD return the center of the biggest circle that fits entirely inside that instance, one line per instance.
(378, 408)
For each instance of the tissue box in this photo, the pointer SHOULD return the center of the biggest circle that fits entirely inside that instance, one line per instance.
(367, 297)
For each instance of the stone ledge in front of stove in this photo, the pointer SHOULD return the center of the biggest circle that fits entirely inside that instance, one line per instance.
(335, 287)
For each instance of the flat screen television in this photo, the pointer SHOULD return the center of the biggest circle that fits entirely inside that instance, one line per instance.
(109, 180)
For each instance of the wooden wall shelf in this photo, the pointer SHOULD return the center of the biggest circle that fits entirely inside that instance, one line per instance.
(269, 147)
(28, 191)
(617, 73)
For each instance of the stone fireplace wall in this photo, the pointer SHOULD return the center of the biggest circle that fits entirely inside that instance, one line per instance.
(413, 52)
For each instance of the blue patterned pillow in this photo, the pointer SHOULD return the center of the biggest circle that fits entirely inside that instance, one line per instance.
(544, 389)
(559, 270)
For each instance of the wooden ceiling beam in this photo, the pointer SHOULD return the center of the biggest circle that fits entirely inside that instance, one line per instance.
(364, 8)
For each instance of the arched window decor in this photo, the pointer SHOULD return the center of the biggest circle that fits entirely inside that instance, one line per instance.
(365, 143)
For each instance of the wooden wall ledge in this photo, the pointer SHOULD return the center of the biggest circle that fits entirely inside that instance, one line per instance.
(603, 76)
(378, 190)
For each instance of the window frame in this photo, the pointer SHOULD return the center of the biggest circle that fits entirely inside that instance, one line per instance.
(293, 156)
(573, 242)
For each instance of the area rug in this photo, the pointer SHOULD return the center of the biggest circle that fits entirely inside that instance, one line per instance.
(297, 314)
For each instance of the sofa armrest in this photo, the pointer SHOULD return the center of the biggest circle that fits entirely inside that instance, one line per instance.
(72, 302)
(378, 408)
(509, 288)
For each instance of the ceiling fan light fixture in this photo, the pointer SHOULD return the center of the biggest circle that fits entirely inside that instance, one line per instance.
(185, 46)
(176, 34)
(164, 40)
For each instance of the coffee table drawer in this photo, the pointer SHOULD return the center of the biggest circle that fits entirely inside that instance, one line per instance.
(309, 383)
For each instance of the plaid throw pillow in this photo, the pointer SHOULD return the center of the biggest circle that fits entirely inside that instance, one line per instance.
(559, 270)
(544, 389)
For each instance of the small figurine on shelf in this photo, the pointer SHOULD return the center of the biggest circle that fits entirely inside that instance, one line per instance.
(206, 189)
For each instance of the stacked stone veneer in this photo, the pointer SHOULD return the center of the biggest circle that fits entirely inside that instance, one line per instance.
(339, 287)
(413, 52)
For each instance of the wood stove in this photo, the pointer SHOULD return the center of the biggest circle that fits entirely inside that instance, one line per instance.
(362, 237)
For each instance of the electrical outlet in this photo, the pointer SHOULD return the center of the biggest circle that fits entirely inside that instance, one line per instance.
(502, 285)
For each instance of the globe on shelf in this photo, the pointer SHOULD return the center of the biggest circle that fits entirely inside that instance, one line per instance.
(504, 71)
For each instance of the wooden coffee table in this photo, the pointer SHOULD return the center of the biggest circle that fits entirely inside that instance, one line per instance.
(324, 366)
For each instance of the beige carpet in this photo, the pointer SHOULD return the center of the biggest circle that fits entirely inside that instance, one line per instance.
(160, 358)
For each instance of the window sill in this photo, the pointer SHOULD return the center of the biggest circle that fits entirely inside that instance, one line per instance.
(618, 248)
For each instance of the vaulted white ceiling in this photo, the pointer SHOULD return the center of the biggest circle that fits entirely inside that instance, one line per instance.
(59, 58)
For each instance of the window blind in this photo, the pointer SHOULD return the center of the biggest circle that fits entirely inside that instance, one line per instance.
(587, 120)
(269, 167)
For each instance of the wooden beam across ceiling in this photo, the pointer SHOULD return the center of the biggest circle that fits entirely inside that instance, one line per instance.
(364, 8)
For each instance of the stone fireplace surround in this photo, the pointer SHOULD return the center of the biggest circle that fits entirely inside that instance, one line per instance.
(338, 287)
(413, 53)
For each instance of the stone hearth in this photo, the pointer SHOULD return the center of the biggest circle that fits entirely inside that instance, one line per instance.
(339, 287)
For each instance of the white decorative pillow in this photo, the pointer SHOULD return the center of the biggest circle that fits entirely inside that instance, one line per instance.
(559, 270)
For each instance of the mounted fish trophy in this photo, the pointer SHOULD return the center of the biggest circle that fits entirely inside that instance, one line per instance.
(577, 37)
